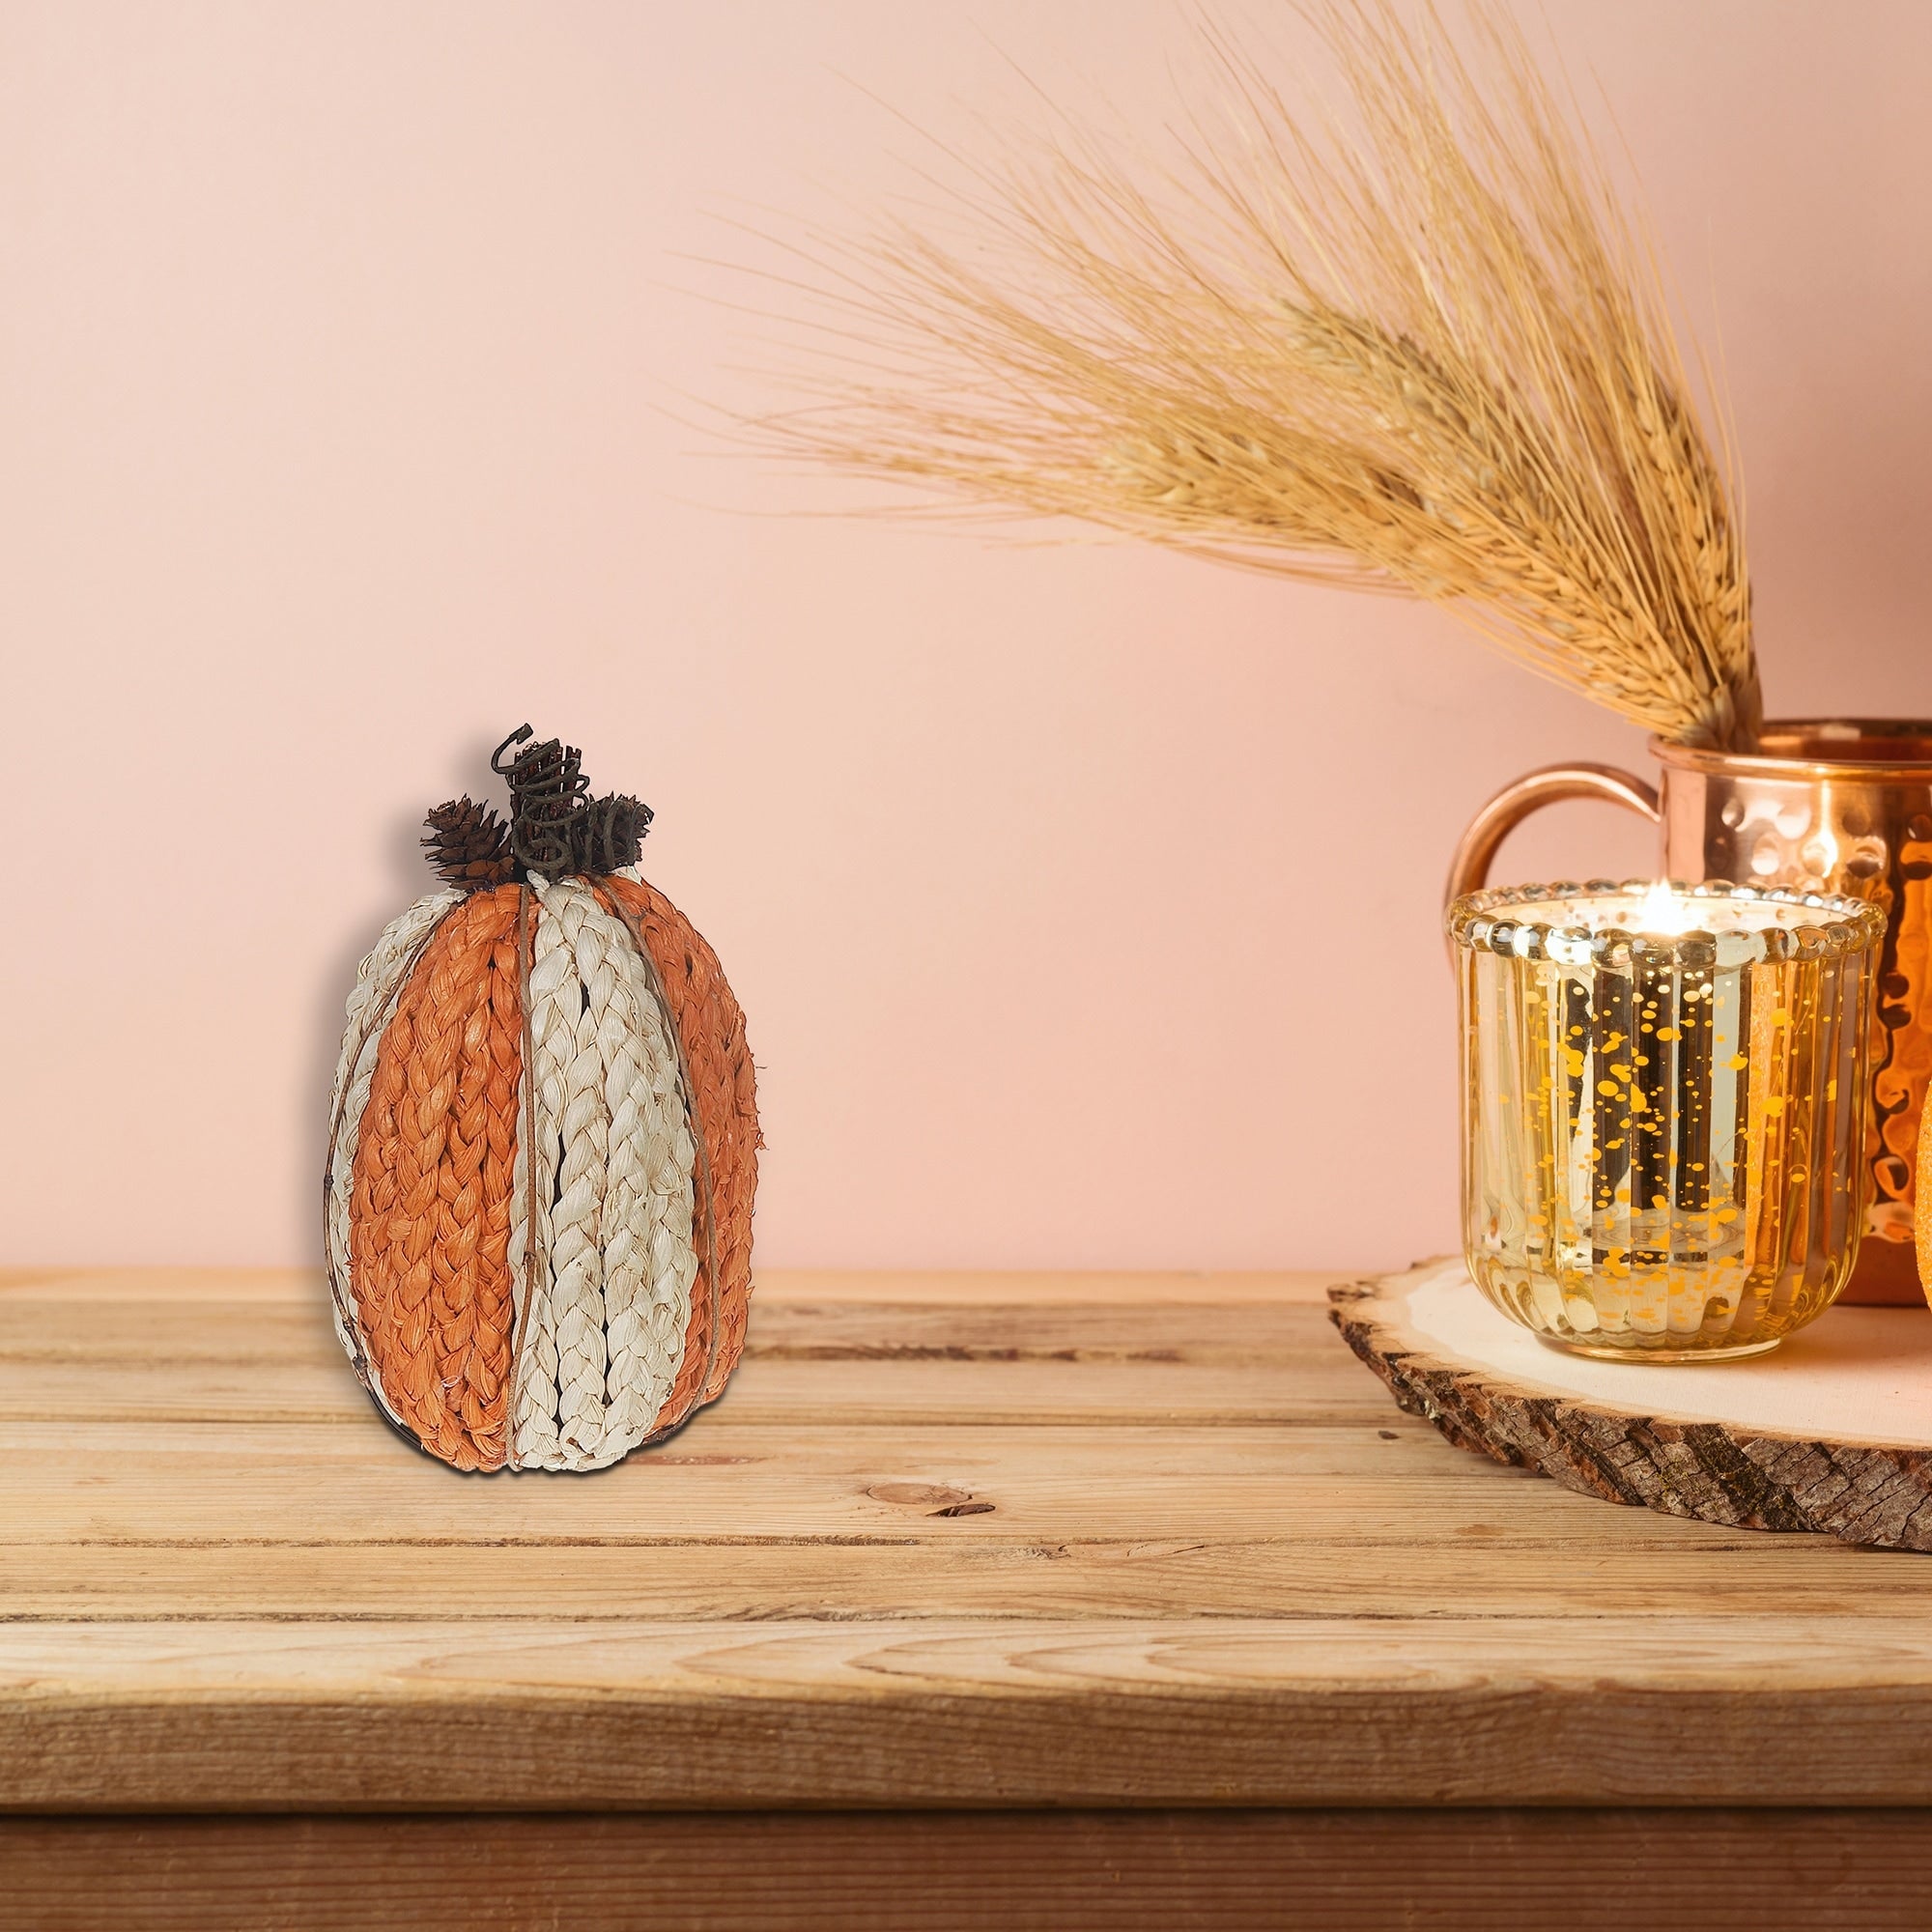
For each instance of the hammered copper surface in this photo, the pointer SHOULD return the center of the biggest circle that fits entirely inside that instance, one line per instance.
(1826, 805)
(1840, 807)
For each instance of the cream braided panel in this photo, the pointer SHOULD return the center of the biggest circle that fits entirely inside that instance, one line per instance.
(576, 1258)
(554, 1000)
(614, 1161)
(377, 980)
(650, 1258)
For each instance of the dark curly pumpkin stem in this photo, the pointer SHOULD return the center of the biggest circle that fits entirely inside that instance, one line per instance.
(556, 827)
(547, 791)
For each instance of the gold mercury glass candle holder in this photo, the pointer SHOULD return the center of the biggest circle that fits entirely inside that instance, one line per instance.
(1664, 1094)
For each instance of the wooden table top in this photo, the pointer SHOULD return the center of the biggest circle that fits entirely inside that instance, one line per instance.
(1040, 1540)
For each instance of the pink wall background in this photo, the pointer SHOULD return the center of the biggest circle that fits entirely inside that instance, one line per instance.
(1083, 900)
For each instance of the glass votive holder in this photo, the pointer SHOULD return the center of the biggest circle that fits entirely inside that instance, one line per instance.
(1663, 1100)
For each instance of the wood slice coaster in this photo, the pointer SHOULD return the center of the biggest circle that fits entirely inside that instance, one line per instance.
(1832, 1431)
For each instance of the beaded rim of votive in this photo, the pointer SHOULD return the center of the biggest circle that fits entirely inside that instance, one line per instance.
(1843, 925)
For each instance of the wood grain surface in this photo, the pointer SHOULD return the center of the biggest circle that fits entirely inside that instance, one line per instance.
(1731, 1464)
(1229, 1870)
(1059, 1543)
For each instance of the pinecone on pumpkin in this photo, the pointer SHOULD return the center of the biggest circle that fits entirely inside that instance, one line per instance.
(608, 833)
(467, 845)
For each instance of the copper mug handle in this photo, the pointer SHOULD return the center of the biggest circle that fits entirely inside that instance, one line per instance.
(1469, 869)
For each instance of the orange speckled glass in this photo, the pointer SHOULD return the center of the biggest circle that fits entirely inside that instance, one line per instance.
(1663, 1091)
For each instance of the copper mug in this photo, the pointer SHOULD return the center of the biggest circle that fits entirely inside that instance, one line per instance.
(1826, 805)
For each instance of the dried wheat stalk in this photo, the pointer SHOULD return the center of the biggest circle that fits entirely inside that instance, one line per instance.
(1430, 356)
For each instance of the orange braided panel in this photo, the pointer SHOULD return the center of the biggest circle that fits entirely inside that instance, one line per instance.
(711, 1028)
(430, 1209)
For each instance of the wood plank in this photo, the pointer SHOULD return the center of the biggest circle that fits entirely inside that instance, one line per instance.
(246, 1362)
(303, 1287)
(95, 1286)
(1507, 1575)
(1065, 1289)
(56, 1328)
(778, 1395)
(1082, 1871)
(1320, 1711)
(244, 1484)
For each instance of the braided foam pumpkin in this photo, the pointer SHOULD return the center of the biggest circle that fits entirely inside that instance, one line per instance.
(542, 1142)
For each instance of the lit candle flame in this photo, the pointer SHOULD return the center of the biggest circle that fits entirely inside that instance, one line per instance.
(1665, 913)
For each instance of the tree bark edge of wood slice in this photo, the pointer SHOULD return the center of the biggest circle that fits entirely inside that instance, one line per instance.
(1874, 1494)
